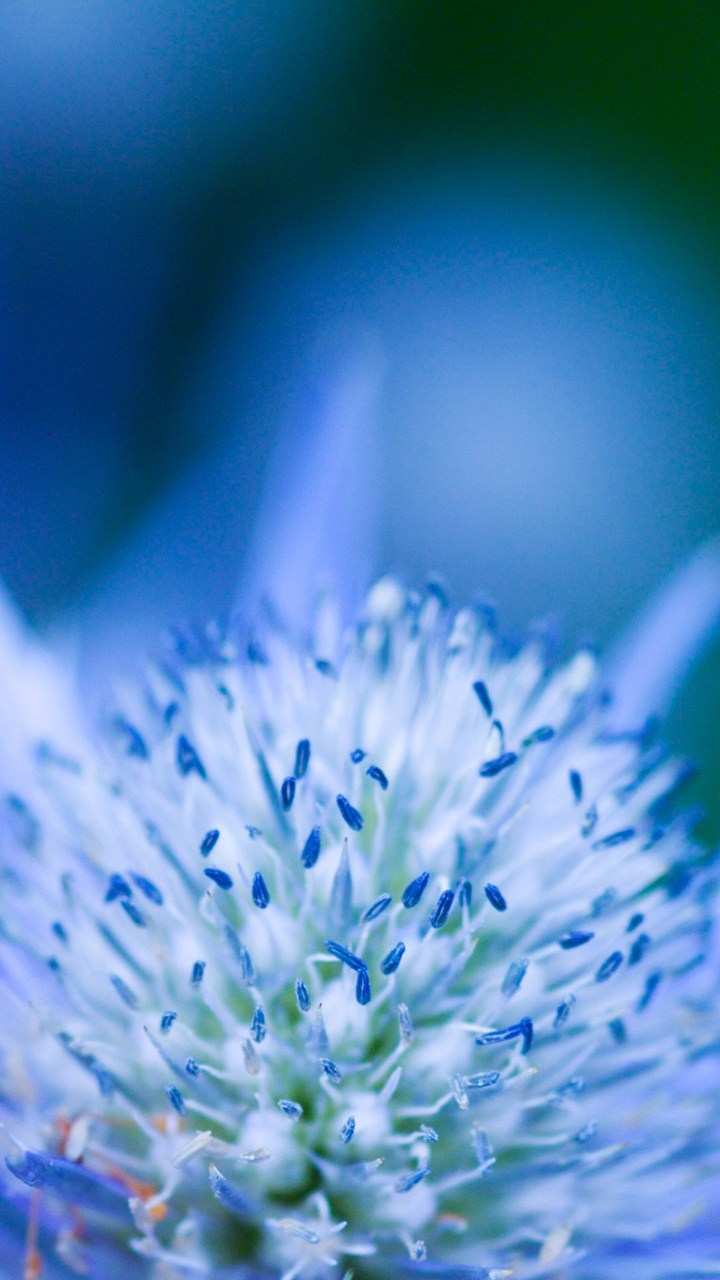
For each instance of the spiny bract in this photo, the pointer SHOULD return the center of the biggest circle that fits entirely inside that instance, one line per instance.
(372, 952)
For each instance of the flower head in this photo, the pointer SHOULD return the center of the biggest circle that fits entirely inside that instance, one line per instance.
(372, 954)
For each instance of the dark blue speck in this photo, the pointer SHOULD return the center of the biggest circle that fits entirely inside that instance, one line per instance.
(311, 849)
(302, 758)
(377, 908)
(638, 948)
(209, 841)
(260, 891)
(220, 878)
(576, 785)
(609, 966)
(393, 958)
(176, 1099)
(616, 838)
(150, 890)
(117, 888)
(350, 814)
(188, 760)
(575, 938)
(441, 911)
(362, 987)
(377, 774)
(491, 768)
(483, 697)
(413, 892)
(495, 897)
(131, 910)
(343, 953)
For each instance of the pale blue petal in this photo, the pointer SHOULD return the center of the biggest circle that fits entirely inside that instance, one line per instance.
(653, 658)
(319, 516)
(314, 523)
(35, 695)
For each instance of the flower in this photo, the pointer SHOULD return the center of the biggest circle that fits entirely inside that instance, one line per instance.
(376, 952)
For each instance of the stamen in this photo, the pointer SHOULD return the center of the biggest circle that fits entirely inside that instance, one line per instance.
(151, 891)
(377, 908)
(491, 768)
(209, 841)
(341, 952)
(522, 1028)
(117, 888)
(292, 1110)
(495, 897)
(393, 958)
(287, 793)
(413, 892)
(483, 697)
(219, 877)
(465, 893)
(543, 734)
(123, 990)
(652, 983)
(258, 1026)
(131, 910)
(311, 849)
(302, 758)
(514, 976)
(575, 938)
(350, 814)
(442, 909)
(482, 1080)
(616, 838)
(562, 1013)
(187, 758)
(176, 1099)
(363, 994)
(260, 891)
(228, 1195)
(616, 1026)
(609, 966)
(241, 954)
(376, 773)
(638, 948)
(410, 1180)
(405, 1021)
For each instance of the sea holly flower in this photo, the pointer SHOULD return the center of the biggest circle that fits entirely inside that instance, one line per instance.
(375, 951)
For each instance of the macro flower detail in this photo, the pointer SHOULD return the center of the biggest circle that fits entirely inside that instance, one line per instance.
(375, 953)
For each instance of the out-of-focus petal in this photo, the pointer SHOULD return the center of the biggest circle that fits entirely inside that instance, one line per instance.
(318, 520)
(35, 695)
(654, 656)
(315, 521)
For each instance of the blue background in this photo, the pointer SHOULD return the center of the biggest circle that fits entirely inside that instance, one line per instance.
(209, 209)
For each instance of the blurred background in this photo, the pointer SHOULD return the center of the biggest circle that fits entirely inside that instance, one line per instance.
(441, 279)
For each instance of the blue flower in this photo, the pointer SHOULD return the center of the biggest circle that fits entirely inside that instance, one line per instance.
(473, 1035)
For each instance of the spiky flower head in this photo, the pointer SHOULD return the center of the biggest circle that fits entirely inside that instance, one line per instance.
(370, 954)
